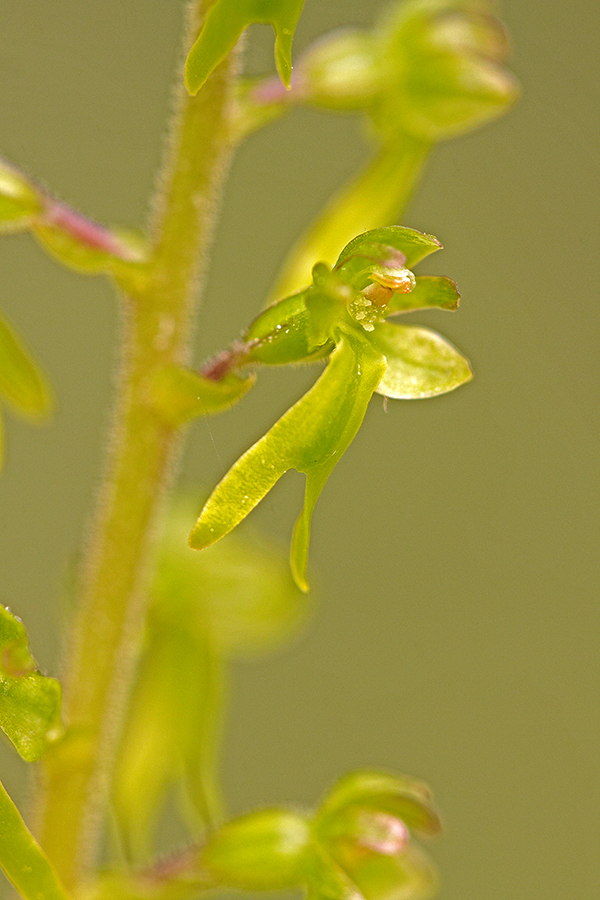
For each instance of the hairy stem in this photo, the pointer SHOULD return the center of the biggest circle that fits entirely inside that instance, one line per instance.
(144, 450)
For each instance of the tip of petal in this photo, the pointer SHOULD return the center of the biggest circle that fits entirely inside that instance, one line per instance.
(283, 60)
(301, 581)
(199, 537)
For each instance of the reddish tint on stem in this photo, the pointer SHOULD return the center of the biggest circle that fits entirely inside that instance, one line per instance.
(84, 230)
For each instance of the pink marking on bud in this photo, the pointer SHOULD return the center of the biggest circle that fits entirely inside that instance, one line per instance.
(383, 833)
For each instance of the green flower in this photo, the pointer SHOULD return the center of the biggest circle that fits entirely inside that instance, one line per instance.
(342, 316)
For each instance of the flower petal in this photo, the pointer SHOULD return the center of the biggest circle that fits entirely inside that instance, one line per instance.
(429, 291)
(225, 21)
(420, 363)
(309, 437)
(21, 381)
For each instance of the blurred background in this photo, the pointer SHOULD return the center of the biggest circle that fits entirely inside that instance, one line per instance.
(455, 555)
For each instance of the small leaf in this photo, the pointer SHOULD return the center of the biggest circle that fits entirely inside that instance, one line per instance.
(29, 701)
(282, 334)
(420, 363)
(19, 201)
(21, 382)
(309, 437)
(22, 859)
(430, 291)
(180, 395)
(225, 22)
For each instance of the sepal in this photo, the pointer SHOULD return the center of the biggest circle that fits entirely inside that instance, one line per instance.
(405, 798)
(30, 701)
(300, 328)
(21, 381)
(340, 72)
(420, 363)
(375, 248)
(282, 334)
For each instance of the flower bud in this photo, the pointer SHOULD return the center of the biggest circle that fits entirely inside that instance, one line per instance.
(363, 830)
(430, 68)
(340, 71)
(265, 850)
(406, 875)
(407, 799)
(444, 63)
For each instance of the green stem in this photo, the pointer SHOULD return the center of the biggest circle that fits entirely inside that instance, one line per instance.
(158, 326)
(375, 198)
(22, 859)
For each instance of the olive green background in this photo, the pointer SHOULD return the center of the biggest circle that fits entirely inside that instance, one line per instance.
(455, 548)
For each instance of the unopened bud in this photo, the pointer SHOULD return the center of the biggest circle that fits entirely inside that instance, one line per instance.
(340, 71)
(266, 850)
